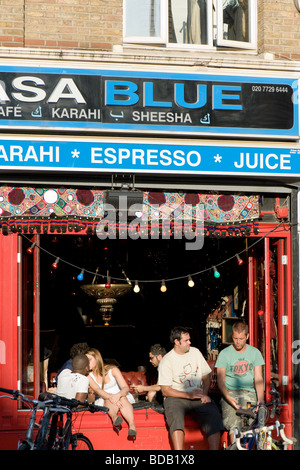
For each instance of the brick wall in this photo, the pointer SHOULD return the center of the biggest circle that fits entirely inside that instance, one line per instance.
(12, 23)
(97, 25)
(63, 24)
(279, 28)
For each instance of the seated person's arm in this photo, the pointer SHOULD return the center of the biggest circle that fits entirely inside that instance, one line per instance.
(124, 389)
(81, 397)
(95, 387)
(168, 391)
(206, 380)
(259, 383)
(222, 387)
(146, 388)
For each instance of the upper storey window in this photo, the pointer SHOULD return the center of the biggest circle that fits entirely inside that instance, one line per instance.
(191, 23)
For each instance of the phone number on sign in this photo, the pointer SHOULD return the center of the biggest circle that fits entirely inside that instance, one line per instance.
(270, 89)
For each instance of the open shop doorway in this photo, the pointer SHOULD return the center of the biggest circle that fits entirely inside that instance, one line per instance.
(57, 312)
(140, 319)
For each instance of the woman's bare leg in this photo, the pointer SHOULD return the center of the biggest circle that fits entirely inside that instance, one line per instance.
(112, 410)
(126, 411)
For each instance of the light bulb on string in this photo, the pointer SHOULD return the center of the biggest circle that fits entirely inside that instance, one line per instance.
(107, 285)
(163, 287)
(190, 282)
(31, 248)
(55, 264)
(239, 260)
(80, 275)
(216, 272)
(136, 288)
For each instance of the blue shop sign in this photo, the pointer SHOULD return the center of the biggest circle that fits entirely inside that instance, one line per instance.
(148, 102)
(156, 157)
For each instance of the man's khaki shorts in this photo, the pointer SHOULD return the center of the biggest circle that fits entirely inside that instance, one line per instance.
(230, 419)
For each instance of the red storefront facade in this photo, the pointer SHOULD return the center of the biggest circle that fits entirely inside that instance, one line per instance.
(274, 249)
(244, 191)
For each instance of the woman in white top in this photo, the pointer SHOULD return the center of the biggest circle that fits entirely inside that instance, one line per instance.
(117, 397)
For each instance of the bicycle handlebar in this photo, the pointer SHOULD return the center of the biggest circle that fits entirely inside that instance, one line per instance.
(58, 400)
(92, 408)
(52, 399)
(72, 403)
(252, 432)
(245, 412)
(274, 404)
(15, 393)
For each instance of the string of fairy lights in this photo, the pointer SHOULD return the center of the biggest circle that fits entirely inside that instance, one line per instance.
(136, 282)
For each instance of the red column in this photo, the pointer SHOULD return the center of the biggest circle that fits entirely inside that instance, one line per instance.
(268, 300)
(8, 323)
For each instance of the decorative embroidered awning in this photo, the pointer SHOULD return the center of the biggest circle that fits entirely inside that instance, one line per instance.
(38, 202)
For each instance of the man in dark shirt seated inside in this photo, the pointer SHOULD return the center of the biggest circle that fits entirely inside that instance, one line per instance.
(78, 348)
(156, 354)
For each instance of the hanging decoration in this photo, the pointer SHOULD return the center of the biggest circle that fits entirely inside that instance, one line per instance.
(216, 273)
(106, 296)
(35, 202)
(162, 282)
(31, 210)
(211, 208)
(28, 210)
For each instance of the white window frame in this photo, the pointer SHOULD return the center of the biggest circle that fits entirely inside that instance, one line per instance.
(252, 43)
(214, 31)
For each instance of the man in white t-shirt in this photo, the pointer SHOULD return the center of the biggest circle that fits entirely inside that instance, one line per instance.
(75, 383)
(184, 377)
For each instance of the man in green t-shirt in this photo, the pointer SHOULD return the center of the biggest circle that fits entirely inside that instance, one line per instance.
(240, 376)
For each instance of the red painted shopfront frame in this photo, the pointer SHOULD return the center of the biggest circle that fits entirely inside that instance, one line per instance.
(151, 426)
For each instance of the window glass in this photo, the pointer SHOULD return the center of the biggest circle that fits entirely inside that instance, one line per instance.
(188, 21)
(236, 20)
(143, 18)
(236, 23)
(36, 339)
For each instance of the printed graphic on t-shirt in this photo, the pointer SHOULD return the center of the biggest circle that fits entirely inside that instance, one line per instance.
(241, 367)
(188, 377)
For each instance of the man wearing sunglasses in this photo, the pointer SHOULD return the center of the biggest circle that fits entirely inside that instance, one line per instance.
(156, 354)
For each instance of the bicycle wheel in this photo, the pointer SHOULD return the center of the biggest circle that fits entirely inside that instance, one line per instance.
(24, 446)
(80, 442)
(42, 435)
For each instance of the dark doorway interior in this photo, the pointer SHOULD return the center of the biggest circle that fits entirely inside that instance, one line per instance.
(68, 315)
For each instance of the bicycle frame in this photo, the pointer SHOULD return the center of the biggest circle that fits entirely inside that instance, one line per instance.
(53, 406)
(60, 432)
(257, 432)
(29, 443)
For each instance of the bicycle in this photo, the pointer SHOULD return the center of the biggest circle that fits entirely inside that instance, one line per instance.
(29, 443)
(52, 434)
(61, 435)
(255, 433)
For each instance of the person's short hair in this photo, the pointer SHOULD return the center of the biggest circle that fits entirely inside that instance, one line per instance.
(177, 332)
(80, 362)
(239, 326)
(157, 349)
(79, 348)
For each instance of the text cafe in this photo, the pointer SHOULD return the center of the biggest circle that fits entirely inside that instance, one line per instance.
(135, 201)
